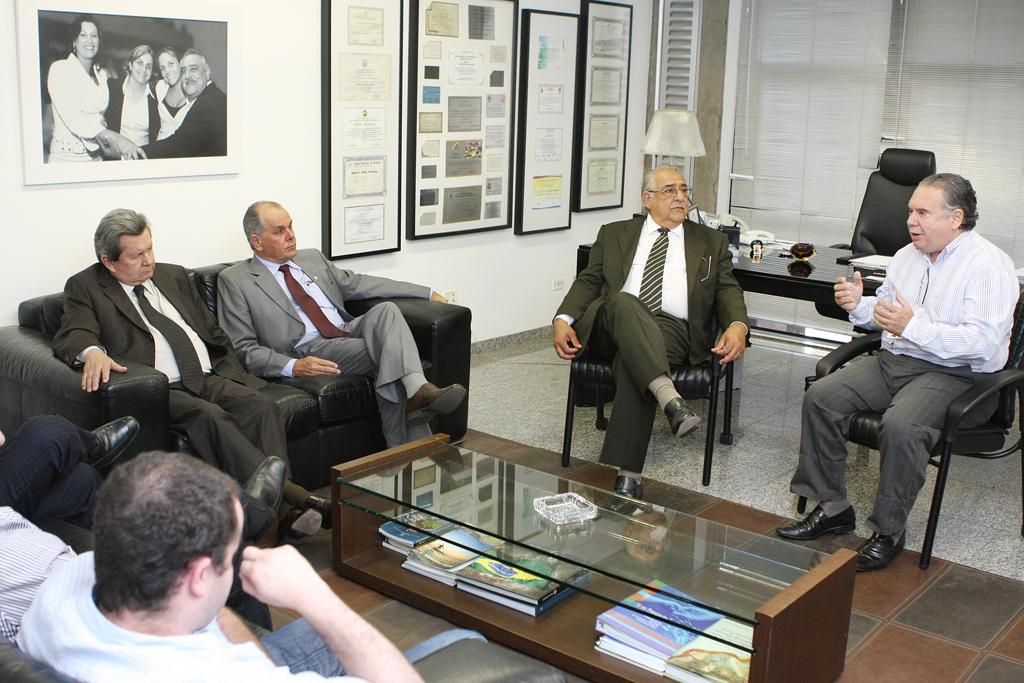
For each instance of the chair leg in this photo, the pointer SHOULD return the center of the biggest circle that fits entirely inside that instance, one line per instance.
(601, 422)
(933, 513)
(726, 437)
(801, 504)
(570, 414)
(709, 437)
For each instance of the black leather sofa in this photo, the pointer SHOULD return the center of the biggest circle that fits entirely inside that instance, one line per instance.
(328, 420)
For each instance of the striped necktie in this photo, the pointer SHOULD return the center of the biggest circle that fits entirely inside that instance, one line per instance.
(654, 273)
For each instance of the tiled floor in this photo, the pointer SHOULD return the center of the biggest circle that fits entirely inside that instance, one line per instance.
(961, 620)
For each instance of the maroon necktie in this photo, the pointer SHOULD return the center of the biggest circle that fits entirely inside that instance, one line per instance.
(310, 307)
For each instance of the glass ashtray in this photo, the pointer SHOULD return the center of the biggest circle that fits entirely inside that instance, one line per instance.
(565, 508)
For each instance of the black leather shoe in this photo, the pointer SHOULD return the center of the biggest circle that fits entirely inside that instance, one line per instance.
(323, 506)
(681, 419)
(267, 482)
(629, 491)
(878, 552)
(111, 441)
(818, 523)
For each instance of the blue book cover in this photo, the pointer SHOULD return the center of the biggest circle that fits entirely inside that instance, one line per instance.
(404, 529)
(651, 635)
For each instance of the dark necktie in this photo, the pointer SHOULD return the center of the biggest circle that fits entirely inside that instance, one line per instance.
(310, 307)
(181, 346)
(654, 273)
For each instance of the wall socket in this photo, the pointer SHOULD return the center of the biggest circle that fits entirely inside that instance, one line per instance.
(452, 296)
(558, 284)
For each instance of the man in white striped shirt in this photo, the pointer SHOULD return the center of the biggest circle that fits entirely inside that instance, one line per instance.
(945, 310)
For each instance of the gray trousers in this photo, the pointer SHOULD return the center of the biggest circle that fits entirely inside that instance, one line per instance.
(644, 346)
(381, 345)
(914, 395)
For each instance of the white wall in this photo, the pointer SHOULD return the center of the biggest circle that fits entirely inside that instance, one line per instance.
(504, 278)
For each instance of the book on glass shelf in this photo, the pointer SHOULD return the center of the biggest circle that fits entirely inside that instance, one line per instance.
(408, 529)
(434, 573)
(704, 659)
(452, 551)
(531, 608)
(630, 655)
(524, 575)
(400, 549)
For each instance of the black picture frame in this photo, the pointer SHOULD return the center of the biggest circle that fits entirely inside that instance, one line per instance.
(416, 211)
(338, 242)
(591, 56)
(535, 214)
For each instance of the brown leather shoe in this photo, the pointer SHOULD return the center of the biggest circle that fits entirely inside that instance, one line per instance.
(431, 400)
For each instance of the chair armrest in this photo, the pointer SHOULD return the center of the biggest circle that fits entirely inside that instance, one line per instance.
(847, 352)
(443, 337)
(34, 382)
(839, 246)
(973, 397)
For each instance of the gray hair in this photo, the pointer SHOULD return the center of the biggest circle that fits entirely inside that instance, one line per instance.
(957, 193)
(252, 221)
(114, 225)
(648, 183)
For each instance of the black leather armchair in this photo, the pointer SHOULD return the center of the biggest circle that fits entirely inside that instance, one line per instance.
(328, 420)
(983, 441)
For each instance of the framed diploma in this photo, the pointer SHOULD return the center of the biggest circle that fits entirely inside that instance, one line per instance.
(602, 89)
(461, 65)
(362, 125)
(547, 107)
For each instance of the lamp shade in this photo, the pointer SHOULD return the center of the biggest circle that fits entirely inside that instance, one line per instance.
(674, 133)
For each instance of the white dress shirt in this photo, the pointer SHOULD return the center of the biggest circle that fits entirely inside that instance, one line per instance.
(135, 116)
(164, 361)
(963, 304)
(313, 289)
(673, 286)
(28, 556)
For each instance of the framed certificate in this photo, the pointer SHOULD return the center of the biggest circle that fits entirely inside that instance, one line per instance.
(547, 107)
(460, 123)
(602, 89)
(362, 125)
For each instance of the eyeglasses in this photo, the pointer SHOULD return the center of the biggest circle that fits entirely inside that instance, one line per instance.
(670, 191)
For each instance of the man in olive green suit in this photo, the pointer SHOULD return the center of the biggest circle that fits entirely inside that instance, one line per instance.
(646, 279)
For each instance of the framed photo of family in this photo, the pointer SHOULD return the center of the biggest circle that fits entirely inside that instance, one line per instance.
(460, 122)
(603, 88)
(362, 126)
(116, 90)
(547, 106)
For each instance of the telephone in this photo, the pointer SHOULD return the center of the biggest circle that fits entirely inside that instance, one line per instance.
(751, 235)
(727, 220)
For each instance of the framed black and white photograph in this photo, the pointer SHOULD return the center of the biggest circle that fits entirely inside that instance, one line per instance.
(602, 91)
(462, 56)
(126, 90)
(362, 124)
(547, 106)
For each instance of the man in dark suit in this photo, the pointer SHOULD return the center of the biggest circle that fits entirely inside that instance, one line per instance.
(284, 309)
(646, 279)
(203, 132)
(129, 309)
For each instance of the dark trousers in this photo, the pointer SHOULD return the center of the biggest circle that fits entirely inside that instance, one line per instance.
(42, 473)
(230, 426)
(644, 346)
(914, 395)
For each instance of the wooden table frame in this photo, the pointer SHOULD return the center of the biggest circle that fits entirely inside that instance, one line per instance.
(800, 635)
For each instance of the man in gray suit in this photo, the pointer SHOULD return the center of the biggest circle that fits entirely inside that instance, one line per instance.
(284, 310)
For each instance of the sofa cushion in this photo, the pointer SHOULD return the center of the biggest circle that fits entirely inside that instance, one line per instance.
(340, 399)
(300, 411)
(42, 313)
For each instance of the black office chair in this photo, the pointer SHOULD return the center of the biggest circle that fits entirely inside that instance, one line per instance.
(592, 372)
(881, 226)
(975, 442)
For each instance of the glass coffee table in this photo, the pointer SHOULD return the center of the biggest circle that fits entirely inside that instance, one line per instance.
(787, 606)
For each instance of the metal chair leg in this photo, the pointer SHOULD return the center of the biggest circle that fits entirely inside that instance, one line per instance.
(726, 437)
(570, 414)
(933, 513)
(709, 437)
(801, 504)
(601, 422)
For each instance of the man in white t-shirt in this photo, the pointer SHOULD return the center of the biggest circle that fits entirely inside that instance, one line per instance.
(148, 604)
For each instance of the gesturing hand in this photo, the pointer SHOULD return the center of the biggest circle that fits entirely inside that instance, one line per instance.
(893, 316)
(849, 292)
